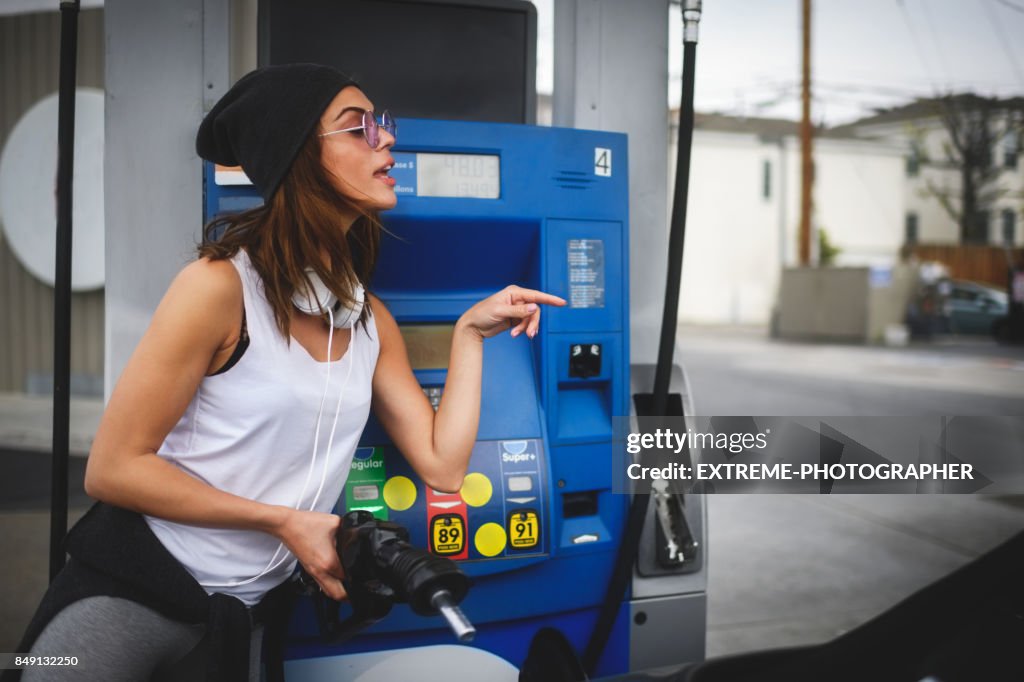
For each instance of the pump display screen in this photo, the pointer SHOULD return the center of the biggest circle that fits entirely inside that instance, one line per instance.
(428, 345)
(469, 176)
(458, 175)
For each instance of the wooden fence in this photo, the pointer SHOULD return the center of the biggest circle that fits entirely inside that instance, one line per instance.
(976, 262)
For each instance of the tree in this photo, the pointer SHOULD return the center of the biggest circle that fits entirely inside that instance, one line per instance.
(827, 251)
(974, 126)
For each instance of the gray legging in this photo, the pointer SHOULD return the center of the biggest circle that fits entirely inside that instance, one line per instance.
(118, 640)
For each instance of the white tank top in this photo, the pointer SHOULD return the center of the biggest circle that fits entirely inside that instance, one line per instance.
(250, 431)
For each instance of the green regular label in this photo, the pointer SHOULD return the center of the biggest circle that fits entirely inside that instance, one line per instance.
(365, 486)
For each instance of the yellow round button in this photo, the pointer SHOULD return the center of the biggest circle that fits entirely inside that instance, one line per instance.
(476, 490)
(490, 539)
(399, 493)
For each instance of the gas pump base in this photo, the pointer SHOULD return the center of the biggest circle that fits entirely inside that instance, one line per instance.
(668, 603)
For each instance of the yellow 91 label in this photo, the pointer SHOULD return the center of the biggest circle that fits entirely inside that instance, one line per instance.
(523, 529)
(447, 534)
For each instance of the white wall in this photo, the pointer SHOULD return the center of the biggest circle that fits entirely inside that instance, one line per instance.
(738, 241)
(731, 260)
(859, 197)
(153, 189)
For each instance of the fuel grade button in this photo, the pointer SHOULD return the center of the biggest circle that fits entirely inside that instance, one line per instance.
(476, 489)
(523, 529)
(399, 493)
(447, 534)
(490, 539)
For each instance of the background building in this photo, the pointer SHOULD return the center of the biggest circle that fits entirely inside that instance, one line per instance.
(944, 139)
(743, 212)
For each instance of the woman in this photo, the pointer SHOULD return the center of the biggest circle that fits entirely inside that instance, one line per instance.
(232, 427)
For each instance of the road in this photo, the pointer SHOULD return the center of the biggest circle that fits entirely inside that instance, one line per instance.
(787, 570)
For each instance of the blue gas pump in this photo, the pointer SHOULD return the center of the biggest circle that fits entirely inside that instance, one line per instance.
(536, 525)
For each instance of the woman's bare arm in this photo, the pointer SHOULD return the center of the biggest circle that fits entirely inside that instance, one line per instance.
(197, 319)
(438, 445)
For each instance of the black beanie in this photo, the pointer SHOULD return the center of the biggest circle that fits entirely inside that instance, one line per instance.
(264, 119)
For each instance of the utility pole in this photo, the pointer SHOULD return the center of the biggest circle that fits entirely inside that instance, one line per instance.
(806, 143)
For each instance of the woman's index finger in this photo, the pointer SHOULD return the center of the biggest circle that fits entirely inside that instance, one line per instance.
(534, 296)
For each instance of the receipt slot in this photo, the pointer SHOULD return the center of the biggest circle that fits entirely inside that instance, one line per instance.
(536, 525)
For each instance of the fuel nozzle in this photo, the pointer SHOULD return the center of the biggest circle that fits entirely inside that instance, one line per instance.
(382, 568)
(675, 542)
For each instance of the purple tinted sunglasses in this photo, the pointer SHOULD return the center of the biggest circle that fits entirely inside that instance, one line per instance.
(371, 129)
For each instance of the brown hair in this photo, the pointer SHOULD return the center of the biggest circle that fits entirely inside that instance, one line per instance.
(302, 220)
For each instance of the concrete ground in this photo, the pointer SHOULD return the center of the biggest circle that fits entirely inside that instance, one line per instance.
(784, 569)
(787, 570)
(25, 441)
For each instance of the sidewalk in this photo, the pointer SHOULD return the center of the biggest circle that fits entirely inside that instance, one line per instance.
(26, 423)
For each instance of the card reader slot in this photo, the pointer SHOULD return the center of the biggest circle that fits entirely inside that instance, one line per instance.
(579, 504)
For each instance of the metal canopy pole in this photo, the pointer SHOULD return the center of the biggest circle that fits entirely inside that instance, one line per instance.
(622, 571)
(62, 284)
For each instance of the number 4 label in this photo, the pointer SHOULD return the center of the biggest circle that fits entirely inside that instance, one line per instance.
(603, 162)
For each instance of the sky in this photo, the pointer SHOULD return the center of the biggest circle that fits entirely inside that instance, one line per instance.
(865, 54)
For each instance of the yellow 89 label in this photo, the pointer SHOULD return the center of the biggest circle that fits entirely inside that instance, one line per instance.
(447, 534)
(523, 529)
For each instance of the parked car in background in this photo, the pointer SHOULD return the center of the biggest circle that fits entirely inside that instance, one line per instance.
(973, 308)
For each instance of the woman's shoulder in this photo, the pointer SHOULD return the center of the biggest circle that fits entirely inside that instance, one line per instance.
(212, 280)
(206, 292)
(380, 312)
(389, 336)
(200, 313)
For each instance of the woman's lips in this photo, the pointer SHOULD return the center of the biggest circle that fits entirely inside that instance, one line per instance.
(383, 176)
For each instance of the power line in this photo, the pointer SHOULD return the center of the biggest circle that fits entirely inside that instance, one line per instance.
(1015, 8)
(938, 44)
(917, 46)
(1003, 41)
(908, 90)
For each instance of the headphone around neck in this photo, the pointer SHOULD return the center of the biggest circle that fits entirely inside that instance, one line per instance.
(319, 300)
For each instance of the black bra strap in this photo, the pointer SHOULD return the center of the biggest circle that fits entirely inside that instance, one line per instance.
(240, 347)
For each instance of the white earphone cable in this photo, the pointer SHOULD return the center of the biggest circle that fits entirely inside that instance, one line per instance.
(274, 561)
(337, 412)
